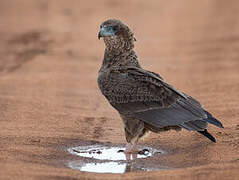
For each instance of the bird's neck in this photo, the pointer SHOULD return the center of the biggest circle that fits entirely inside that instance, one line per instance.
(128, 58)
(116, 45)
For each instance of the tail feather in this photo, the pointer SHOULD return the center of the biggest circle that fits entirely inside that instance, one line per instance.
(208, 135)
(212, 120)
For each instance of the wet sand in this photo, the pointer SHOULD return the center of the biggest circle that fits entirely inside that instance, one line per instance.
(49, 99)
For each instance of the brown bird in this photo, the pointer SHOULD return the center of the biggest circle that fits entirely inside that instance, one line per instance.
(143, 99)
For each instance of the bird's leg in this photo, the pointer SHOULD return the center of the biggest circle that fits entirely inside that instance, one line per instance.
(131, 147)
(134, 128)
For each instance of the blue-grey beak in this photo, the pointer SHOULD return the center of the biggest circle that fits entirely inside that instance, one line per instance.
(106, 31)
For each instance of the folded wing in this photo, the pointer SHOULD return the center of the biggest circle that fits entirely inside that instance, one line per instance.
(149, 98)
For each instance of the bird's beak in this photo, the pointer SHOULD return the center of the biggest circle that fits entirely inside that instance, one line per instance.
(106, 31)
(99, 35)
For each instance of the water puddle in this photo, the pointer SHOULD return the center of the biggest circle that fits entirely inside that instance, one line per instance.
(111, 153)
(107, 159)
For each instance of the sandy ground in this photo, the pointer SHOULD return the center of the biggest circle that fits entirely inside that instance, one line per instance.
(49, 99)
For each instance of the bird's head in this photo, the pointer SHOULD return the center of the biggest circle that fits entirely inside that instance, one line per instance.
(117, 36)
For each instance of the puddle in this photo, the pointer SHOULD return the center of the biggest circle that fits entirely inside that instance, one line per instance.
(111, 153)
(107, 159)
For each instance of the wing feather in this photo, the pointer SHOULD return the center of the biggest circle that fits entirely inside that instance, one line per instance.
(149, 98)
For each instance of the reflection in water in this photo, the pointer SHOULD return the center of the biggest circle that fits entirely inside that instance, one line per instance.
(112, 167)
(111, 159)
(106, 167)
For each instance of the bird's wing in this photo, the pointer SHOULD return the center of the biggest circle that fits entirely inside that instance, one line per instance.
(149, 98)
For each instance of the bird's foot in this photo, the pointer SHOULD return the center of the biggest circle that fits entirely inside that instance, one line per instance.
(131, 149)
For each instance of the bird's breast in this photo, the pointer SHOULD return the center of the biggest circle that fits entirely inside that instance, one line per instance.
(111, 83)
(104, 81)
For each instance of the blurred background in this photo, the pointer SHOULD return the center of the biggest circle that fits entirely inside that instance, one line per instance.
(56, 41)
(166, 31)
(50, 56)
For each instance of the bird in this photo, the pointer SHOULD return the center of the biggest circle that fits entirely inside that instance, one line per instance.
(144, 100)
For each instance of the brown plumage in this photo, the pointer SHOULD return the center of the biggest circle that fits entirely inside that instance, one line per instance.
(143, 99)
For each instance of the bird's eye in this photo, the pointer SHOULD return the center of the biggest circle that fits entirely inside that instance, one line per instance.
(101, 26)
(115, 28)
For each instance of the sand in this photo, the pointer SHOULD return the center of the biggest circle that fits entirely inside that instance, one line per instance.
(49, 99)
